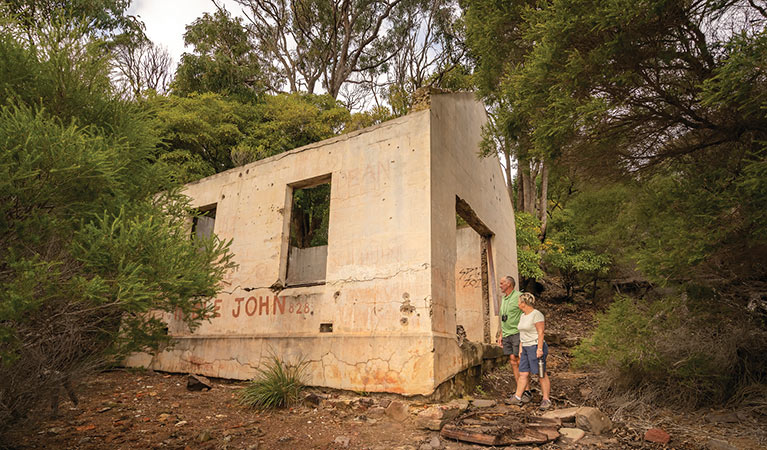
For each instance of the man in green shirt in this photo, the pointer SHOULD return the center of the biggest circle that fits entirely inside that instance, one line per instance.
(509, 340)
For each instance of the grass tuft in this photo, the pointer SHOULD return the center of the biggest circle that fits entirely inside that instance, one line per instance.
(277, 385)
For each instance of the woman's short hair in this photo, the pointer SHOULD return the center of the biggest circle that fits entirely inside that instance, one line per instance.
(527, 298)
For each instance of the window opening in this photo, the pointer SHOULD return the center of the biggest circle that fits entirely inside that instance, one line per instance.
(204, 222)
(309, 223)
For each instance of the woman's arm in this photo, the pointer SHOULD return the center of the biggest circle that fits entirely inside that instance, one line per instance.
(539, 326)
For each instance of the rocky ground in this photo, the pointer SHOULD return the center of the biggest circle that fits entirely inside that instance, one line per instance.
(147, 410)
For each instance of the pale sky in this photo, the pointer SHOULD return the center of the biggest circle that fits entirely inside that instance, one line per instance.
(166, 20)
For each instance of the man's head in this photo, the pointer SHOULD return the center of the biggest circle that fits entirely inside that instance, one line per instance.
(507, 284)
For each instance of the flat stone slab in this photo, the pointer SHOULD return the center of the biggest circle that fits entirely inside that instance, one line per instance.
(571, 435)
(564, 414)
(483, 403)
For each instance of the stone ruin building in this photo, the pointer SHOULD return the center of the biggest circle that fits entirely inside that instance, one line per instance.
(374, 256)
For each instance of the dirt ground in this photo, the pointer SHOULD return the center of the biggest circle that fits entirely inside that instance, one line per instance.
(128, 409)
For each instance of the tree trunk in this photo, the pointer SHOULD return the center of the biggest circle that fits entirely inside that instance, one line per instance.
(520, 203)
(527, 186)
(509, 187)
(543, 202)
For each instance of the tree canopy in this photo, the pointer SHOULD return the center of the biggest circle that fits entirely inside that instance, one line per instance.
(652, 116)
(222, 61)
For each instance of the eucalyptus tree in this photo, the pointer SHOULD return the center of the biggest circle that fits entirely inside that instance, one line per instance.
(223, 60)
(140, 67)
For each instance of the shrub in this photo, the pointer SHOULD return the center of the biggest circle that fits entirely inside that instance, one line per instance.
(684, 350)
(277, 385)
(89, 249)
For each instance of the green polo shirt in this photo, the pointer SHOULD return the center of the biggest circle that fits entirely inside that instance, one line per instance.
(510, 307)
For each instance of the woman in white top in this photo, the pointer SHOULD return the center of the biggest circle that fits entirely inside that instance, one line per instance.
(533, 348)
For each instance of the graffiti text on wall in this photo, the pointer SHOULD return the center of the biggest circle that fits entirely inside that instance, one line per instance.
(258, 306)
(470, 277)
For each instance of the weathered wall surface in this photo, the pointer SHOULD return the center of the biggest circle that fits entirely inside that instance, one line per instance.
(385, 318)
(457, 171)
(376, 295)
(468, 284)
(307, 265)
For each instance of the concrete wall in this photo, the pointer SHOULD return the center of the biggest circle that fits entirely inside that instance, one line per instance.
(390, 283)
(457, 171)
(307, 265)
(468, 284)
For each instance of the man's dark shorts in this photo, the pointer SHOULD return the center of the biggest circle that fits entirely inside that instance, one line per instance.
(511, 344)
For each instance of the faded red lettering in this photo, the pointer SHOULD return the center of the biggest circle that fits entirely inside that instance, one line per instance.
(247, 306)
(263, 303)
(217, 307)
(238, 300)
(196, 315)
(281, 303)
(178, 314)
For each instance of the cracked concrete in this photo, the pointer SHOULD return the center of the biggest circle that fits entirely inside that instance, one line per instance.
(379, 276)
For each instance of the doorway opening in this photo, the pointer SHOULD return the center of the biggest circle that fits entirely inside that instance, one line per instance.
(473, 274)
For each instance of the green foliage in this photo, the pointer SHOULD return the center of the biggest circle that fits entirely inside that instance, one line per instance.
(360, 120)
(90, 249)
(199, 131)
(567, 253)
(223, 60)
(277, 385)
(208, 133)
(528, 245)
(690, 353)
(97, 19)
(310, 216)
(638, 93)
(661, 126)
(287, 121)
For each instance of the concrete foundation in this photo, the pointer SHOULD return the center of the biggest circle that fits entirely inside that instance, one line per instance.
(401, 299)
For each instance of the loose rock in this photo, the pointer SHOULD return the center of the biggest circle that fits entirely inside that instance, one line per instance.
(570, 435)
(717, 444)
(198, 383)
(398, 411)
(593, 420)
(343, 441)
(657, 435)
(375, 412)
(312, 399)
(366, 402)
(483, 403)
(565, 414)
(435, 417)
(204, 436)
